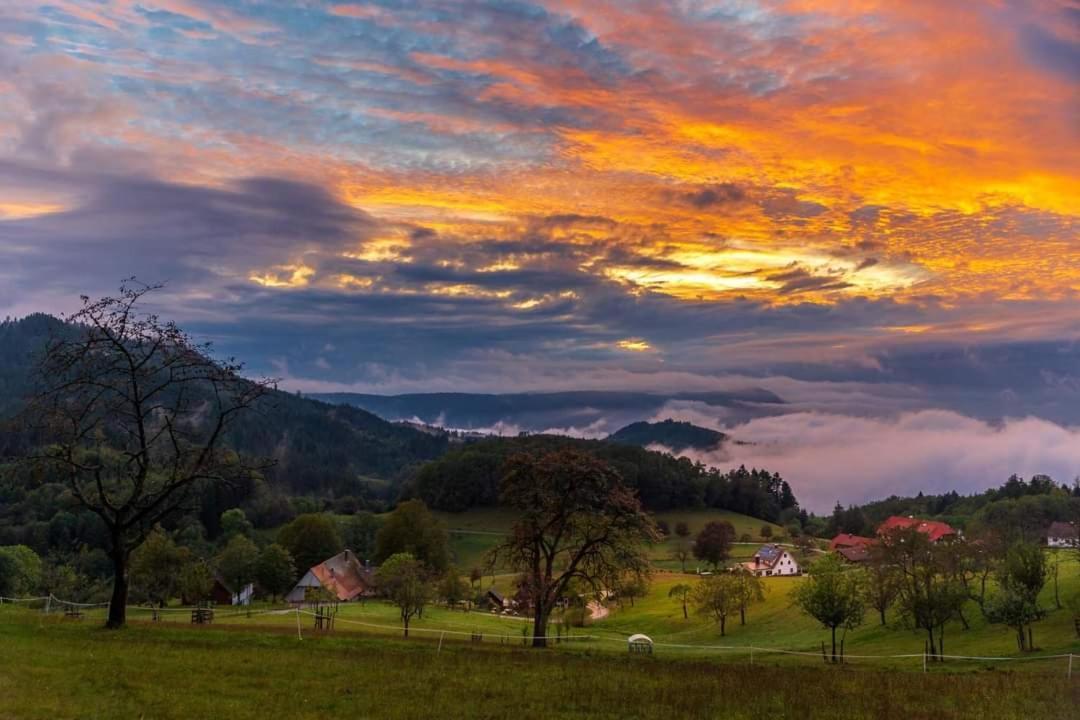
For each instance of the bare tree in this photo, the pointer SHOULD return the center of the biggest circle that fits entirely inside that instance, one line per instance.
(135, 414)
(577, 521)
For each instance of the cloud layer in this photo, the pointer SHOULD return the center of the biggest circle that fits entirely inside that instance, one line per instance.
(829, 458)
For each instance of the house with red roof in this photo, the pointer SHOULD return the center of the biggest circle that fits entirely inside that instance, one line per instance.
(933, 529)
(343, 576)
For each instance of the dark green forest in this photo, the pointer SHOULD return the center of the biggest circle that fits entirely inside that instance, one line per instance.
(672, 434)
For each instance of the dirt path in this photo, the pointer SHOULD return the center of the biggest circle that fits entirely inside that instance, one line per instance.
(597, 611)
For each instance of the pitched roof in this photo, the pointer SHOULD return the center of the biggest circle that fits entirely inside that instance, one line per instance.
(846, 540)
(854, 553)
(343, 576)
(769, 555)
(1062, 530)
(932, 528)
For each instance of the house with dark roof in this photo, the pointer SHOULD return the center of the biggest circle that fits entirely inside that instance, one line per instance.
(844, 540)
(855, 554)
(343, 576)
(1063, 534)
(933, 529)
(771, 560)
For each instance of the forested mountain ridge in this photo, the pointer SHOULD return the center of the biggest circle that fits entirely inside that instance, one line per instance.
(671, 434)
(316, 448)
(468, 476)
(545, 411)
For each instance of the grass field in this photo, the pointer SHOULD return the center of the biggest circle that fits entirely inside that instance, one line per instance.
(475, 532)
(51, 668)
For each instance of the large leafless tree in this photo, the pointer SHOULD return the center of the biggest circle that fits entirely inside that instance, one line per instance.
(577, 521)
(136, 413)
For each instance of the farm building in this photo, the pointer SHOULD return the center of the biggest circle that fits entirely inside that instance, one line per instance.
(343, 576)
(933, 529)
(495, 599)
(844, 540)
(772, 560)
(1062, 534)
(222, 594)
(855, 553)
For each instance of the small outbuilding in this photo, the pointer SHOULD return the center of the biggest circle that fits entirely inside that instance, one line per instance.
(640, 644)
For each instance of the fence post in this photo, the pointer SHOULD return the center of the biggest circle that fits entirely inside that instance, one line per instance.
(924, 660)
(751, 654)
(299, 635)
(439, 650)
(1070, 665)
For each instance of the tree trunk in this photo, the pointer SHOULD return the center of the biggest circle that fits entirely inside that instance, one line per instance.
(118, 601)
(723, 622)
(882, 611)
(405, 624)
(540, 623)
(963, 620)
(685, 614)
(1031, 640)
(931, 648)
(834, 644)
(742, 615)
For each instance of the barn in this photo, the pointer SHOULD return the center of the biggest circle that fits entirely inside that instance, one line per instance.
(343, 576)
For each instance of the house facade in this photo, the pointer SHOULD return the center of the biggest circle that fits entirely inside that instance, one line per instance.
(772, 560)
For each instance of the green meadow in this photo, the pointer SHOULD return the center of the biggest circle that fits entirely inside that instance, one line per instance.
(56, 668)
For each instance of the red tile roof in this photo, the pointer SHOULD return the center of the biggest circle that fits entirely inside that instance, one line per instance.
(846, 540)
(932, 528)
(343, 575)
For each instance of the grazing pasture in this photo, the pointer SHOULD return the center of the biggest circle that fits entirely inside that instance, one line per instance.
(164, 671)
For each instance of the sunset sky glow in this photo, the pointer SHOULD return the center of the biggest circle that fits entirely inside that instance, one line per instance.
(490, 194)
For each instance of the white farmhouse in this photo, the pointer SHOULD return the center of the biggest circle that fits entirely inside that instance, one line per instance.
(772, 560)
(1062, 534)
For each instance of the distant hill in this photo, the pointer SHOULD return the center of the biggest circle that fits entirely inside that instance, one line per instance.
(318, 448)
(541, 412)
(672, 434)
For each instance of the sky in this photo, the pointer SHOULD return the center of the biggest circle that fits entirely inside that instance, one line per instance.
(875, 203)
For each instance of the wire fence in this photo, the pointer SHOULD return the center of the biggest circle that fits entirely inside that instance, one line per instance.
(50, 604)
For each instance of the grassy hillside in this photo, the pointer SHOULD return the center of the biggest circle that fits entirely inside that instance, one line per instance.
(776, 623)
(474, 532)
(178, 672)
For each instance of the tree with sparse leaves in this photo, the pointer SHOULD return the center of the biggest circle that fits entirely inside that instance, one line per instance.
(928, 595)
(577, 521)
(136, 413)
(1021, 578)
(832, 594)
(717, 597)
(403, 581)
(751, 590)
(681, 591)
